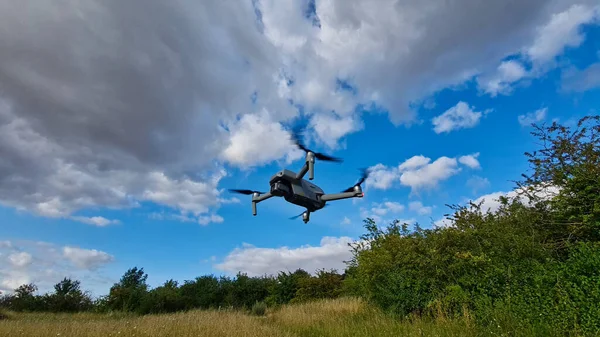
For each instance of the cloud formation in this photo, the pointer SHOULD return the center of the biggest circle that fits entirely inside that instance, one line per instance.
(106, 104)
(533, 117)
(45, 264)
(460, 116)
(256, 261)
(419, 172)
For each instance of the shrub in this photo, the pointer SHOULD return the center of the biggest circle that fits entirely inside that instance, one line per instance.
(259, 308)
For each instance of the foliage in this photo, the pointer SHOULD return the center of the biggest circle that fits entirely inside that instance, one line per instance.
(129, 292)
(285, 287)
(327, 284)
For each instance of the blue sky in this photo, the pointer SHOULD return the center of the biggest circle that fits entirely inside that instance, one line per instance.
(551, 68)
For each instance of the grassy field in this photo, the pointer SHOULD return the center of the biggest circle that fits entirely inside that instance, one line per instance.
(342, 317)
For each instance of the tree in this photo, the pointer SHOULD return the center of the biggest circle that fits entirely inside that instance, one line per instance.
(565, 182)
(128, 293)
(68, 297)
(24, 299)
(285, 286)
(163, 299)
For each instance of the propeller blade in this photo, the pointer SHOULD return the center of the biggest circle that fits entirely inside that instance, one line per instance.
(324, 157)
(318, 155)
(296, 216)
(246, 192)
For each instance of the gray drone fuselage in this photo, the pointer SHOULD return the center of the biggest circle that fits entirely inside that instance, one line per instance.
(297, 191)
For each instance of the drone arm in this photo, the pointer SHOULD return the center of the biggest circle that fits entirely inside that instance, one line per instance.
(339, 196)
(309, 166)
(257, 199)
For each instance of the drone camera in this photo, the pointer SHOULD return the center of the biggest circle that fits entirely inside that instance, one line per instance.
(280, 189)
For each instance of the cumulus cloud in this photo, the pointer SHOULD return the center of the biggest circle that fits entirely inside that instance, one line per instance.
(550, 38)
(256, 261)
(419, 172)
(95, 220)
(460, 116)
(86, 258)
(105, 104)
(561, 31)
(257, 139)
(470, 160)
(382, 212)
(45, 264)
(533, 117)
(20, 259)
(499, 81)
(419, 208)
(330, 128)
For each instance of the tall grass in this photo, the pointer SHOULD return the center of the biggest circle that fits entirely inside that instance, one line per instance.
(341, 317)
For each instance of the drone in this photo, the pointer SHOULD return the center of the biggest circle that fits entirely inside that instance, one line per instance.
(296, 190)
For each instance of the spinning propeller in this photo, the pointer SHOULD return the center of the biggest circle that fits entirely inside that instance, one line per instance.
(246, 192)
(318, 155)
(364, 176)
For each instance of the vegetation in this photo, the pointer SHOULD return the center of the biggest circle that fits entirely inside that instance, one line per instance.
(531, 267)
(339, 317)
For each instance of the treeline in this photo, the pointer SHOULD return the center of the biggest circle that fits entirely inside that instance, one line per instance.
(132, 293)
(532, 265)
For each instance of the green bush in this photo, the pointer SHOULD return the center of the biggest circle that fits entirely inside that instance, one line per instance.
(259, 308)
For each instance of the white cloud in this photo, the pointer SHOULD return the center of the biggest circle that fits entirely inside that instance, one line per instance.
(443, 222)
(499, 82)
(419, 208)
(560, 32)
(86, 258)
(346, 221)
(470, 160)
(550, 38)
(214, 218)
(533, 117)
(256, 261)
(133, 103)
(419, 172)
(255, 139)
(95, 220)
(20, 259)
(382, 212)
(45, 264)
(460, 116)
(429, 175)
(330, 128)
(381, 177)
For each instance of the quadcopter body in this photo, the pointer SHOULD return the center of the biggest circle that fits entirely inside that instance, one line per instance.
(298, 191)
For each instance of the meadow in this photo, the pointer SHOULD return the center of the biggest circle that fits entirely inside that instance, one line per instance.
(332, 317)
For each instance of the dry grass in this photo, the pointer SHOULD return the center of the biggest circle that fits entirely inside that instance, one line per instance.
(342, 317)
